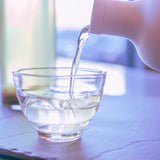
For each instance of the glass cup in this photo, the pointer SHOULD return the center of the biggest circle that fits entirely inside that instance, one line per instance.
(57, 104)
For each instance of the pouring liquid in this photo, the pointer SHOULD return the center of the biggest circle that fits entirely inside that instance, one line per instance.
(83, 36)
(72, 114)
(55, 116)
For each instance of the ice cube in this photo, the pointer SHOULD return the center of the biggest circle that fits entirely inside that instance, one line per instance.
(29, 101)
(44, 103)
(76, 103)
(64, 104)
(56, 103)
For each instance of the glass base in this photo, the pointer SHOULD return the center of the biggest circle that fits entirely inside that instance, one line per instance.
(60, 137)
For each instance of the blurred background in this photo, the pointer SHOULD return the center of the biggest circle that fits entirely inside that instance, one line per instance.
(71, 17)
(36, 33)
(40, 34)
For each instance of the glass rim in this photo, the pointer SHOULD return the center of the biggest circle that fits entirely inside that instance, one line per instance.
(90, 72)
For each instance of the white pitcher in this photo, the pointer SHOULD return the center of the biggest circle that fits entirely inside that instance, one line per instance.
(138, 21)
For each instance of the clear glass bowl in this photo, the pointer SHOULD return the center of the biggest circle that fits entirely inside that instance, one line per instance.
(57, 104)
